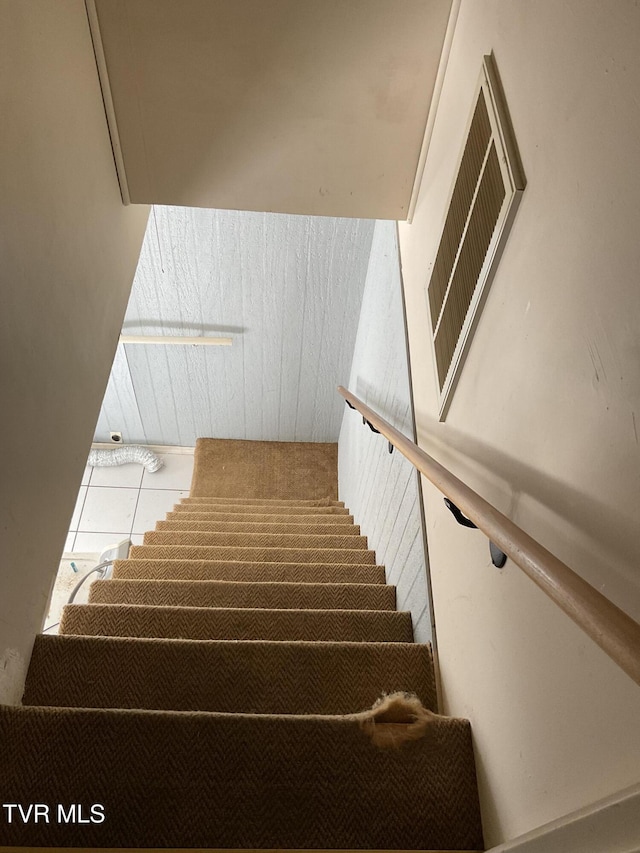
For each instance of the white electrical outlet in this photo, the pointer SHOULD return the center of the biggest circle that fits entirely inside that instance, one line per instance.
(117, 551)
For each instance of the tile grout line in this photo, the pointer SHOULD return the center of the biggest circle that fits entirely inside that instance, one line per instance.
(80, 513)
(135, 509)
(103, 532)
(75, 532)
(132, 488)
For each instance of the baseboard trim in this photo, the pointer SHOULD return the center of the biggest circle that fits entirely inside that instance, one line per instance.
(611, 825)
(157, 448)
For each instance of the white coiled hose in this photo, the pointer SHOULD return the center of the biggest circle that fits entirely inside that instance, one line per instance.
(125, 455)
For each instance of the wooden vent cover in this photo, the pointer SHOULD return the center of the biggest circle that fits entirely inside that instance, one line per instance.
(483, 202)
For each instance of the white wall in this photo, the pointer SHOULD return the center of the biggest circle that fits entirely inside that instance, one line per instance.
(381, 489)
(68, 250)
(286, 289)
(544, 420)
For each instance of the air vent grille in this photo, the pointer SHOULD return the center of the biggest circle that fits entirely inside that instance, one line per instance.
(465, 187)
(488, 186)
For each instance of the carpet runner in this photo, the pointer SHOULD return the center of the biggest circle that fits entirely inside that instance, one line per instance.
(220, 689)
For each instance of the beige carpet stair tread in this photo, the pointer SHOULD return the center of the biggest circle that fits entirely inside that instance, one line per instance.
(227, 676)
(257, 518)
(272, 596)
(205, 526)
(291, 470)
(253, 555)
(254, 540)
(237, 781)
(260, 501)
(244, 571)
(213, 623)
(265, 509)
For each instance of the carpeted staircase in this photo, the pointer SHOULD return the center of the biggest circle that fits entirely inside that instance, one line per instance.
(218, 691)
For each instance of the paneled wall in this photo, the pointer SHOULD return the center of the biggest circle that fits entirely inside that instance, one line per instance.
(286, 289)
(381, 489)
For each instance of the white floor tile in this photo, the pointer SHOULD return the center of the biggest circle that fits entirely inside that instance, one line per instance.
(125, 476)
(68, 545)
(108, 510)
(137, 538)
(96, 542)
(86, 476)
(175, 474)
(153, 505)
(75, 518)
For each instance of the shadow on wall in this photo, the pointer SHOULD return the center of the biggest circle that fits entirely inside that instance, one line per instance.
(181, 326)
(388, 408)
(598, 522)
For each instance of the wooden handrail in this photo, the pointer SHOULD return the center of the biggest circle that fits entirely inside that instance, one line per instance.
(612, 629)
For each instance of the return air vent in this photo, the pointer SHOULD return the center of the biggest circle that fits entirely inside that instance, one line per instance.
(483, 202)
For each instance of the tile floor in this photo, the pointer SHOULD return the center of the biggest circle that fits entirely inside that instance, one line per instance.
(125, 501)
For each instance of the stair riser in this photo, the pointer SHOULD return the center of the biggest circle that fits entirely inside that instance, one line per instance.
(253, 555)
(257, 518)
(265, 572)
(253, 540)
(261, 502)
(250, 677)
(248, 527)
(201, 623)
(264, 509)
(270, 596)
